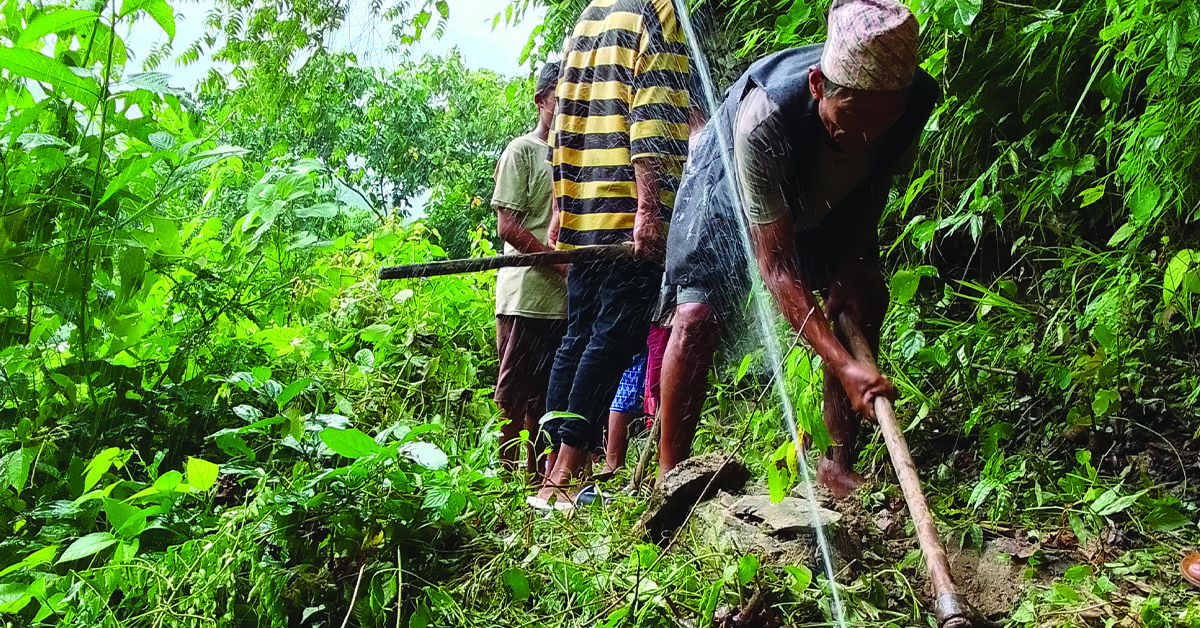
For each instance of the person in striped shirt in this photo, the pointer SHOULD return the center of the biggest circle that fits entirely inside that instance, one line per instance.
(617, 149)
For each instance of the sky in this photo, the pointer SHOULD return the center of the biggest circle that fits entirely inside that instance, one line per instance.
(469, 28)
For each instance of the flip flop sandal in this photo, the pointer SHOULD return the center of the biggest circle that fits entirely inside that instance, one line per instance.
(1190, 568)
(589, 494)
(541, 503)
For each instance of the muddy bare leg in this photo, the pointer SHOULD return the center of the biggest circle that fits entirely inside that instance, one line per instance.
(694, 336)
(860, 293)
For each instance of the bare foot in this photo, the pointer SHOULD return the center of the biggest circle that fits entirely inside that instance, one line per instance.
(561, 495)
(840, 481)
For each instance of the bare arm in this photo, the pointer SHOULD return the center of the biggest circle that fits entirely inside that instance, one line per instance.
(552, 230)
(775, 250)
(649, 244)
(514, 233)
(774, 246)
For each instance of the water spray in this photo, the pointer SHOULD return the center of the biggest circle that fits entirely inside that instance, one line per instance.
(762, 311)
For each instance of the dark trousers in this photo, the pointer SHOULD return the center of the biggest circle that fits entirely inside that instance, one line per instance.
(608, 315)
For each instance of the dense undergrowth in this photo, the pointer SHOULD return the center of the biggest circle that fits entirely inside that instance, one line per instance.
(211, 413)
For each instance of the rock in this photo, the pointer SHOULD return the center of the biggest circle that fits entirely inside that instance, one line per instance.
(888, 524)
(779, 533)
(684, 486)
(785, 519)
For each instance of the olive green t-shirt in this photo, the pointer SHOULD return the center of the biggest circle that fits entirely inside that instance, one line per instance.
(523, 187)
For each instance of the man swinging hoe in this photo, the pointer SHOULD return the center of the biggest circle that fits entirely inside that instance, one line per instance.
(816, 135)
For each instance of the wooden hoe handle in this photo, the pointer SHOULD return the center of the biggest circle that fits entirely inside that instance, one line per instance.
(950, 608)
(477, 264)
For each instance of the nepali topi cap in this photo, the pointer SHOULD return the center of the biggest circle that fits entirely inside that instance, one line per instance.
(871, 45)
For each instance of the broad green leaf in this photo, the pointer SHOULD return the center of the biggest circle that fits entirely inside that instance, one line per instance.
(14, 467)
(154, 82)
(249, 414)
(349, 443)
(1103, 335)
(801, 575)
(965, 13)
(125, 520)
(1181, 64)
(643, 556)
(436, 498)
(616, 619)
(165, 141)
(87, 546)
(1091, 195)
(201, 474)
(1167, 519)
(129, 173)
(1144, 202)
(38, 67)
(1105, 402)
(14, 596)
(18, 123)
(55, 22)
(376, 332)
(911, 342)
(30, 141)
(747, 569)
(100, 465)
(781, 471)
(1064, 594)
(517, 583)
(233, 445)
(427, 455)
(1112, 502)
(1182, 277)
(131, 263)
(169, 482)
(293, 389)
(364, 358)
(420, 617)
(40, 557)
(1122, 234)
(904, 286)
(164, 15)
(1078, 573)
(271, 388)
(8, 295)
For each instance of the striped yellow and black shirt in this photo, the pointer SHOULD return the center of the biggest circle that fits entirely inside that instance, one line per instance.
(622, 96)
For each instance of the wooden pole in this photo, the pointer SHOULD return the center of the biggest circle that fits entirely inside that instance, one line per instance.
(478, 264)
(639, 471)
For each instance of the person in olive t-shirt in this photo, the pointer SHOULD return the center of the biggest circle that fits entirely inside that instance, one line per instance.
(531, 303)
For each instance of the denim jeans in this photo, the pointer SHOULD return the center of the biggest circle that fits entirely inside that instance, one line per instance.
(608, 315)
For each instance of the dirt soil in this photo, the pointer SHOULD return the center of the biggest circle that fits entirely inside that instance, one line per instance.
(990, 578)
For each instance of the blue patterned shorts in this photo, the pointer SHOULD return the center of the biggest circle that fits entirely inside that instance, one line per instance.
(629, 391)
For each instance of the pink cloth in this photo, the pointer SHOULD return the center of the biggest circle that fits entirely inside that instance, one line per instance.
(656, 346)
(870, 45)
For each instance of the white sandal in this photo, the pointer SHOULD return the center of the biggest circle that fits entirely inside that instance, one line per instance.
(541, 503)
